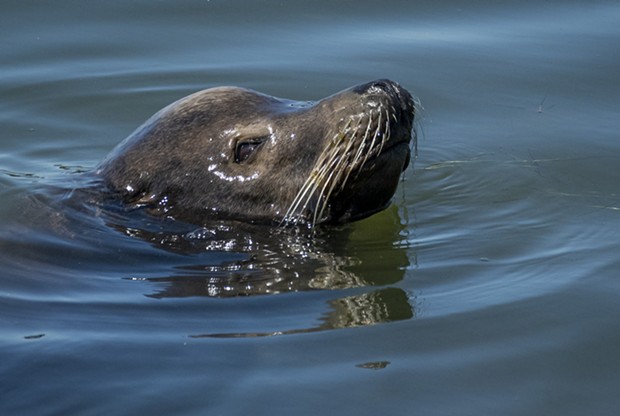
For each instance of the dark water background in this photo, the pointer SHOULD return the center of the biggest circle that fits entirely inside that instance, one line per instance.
(491, 286)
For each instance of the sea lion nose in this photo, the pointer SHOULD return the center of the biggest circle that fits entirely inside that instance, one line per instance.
(400, 98)
(379, 85)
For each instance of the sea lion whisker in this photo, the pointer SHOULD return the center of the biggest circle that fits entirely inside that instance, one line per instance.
(369, 152)
(351, 166)
(386, 135)
(336, 166)
(352, 142)
(362, 144)
(288, 217)
(321, 200)
(327, 160)
(332, 181)
(350, 135)
(311, 184)
(416, 107)
(307, 200)
(329, 164)
(347, 165)
(314, 181)
(332, 150)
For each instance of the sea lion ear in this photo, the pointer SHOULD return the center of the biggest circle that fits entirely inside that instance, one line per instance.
(245, 149)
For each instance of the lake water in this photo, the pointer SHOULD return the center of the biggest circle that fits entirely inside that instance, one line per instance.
(490, 287)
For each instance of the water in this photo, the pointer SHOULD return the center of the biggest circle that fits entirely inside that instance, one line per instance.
(489, 287)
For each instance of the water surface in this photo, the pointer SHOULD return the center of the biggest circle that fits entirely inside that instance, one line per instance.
(488, 287)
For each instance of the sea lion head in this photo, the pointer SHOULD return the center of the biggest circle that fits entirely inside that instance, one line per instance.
(230, 152)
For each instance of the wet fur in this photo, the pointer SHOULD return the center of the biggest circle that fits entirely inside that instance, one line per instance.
(318, 162)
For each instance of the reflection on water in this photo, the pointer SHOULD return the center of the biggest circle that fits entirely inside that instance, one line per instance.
(269, 260)
(385, 305)
(222, 259)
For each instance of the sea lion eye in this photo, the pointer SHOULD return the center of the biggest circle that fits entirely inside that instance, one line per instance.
(245, 149)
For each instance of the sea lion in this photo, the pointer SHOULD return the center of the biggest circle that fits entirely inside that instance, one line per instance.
(234, 153)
